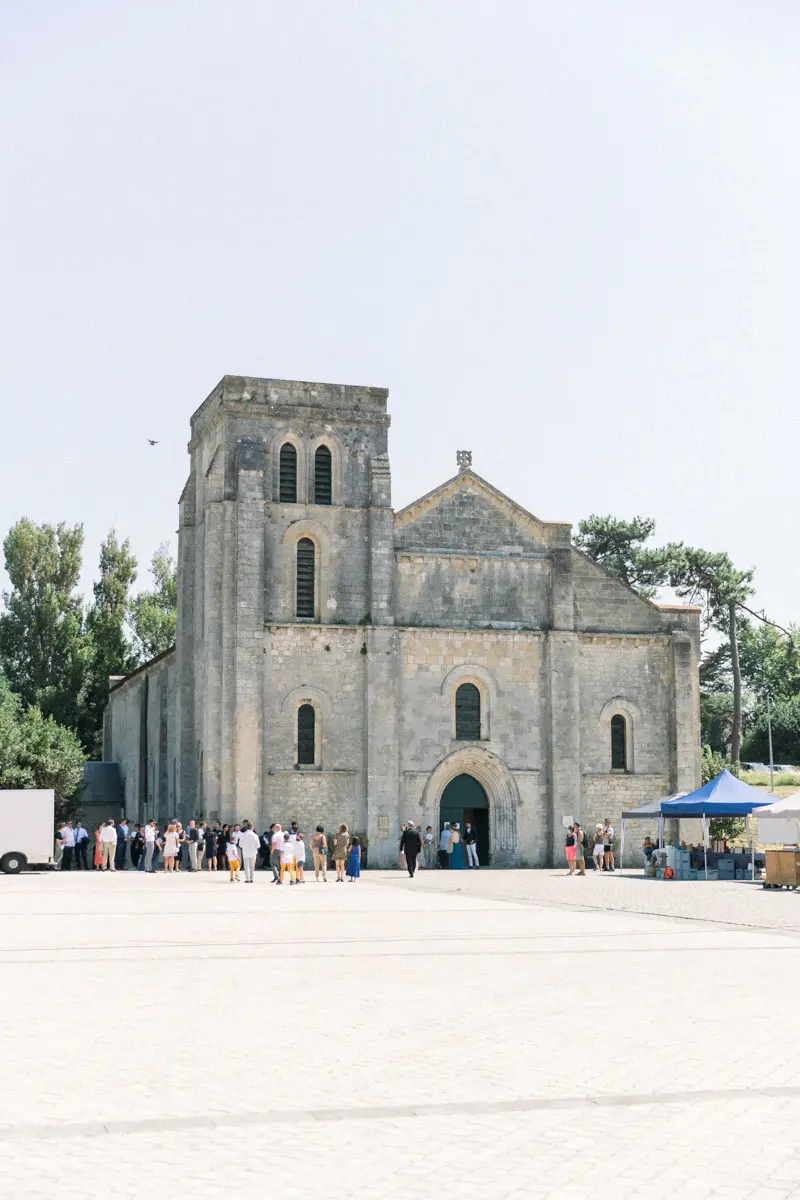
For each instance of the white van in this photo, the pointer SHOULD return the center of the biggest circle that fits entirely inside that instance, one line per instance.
(27, 824)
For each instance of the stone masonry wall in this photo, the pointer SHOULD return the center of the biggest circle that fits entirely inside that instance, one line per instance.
(457, 590)
(122, 725)
(603, 603)
(631, 676)
(140, 734)
(323, 666)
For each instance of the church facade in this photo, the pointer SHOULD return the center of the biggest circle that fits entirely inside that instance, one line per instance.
(339, 661)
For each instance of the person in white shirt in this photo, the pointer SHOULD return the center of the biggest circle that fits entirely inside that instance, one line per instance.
(299, 858)
(108, 846)
(171, 848)
(608, 844)
(149, 845)
(275, 854)
(66, 835)
(81, 842)
(232, 853)
(249, 843)
(287, 859)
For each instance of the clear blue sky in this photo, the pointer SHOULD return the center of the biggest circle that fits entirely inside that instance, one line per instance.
(565, 235)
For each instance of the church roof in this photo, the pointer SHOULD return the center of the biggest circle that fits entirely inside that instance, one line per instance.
(556, 531)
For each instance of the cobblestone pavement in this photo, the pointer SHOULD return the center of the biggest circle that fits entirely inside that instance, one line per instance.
(493, 1034)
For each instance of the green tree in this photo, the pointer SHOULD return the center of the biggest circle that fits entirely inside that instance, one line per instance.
(785, 712)
(716, 720)
(699, 576)
(109, 650)
(619, 547)
(42, 649)
(711, 763)
(710, 578)
(36, 752)
(769, 660)
(152, 615)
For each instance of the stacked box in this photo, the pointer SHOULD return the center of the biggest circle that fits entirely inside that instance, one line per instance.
(713, 874)
(740, 874)
(693, 875)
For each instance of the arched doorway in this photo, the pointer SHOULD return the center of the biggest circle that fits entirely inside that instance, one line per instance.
(464, 800)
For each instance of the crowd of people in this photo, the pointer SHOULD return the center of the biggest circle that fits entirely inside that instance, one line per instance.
(238, 848)
(577, 844)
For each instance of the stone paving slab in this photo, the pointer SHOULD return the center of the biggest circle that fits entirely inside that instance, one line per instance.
(488, 1034)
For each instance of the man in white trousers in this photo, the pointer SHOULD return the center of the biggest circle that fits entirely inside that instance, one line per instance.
(471, 842)
(249, 844)
(149, 845)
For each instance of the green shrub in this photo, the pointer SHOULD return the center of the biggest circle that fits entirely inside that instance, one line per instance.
(712, 762)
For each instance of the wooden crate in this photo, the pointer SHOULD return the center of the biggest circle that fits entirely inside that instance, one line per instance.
(783, 868)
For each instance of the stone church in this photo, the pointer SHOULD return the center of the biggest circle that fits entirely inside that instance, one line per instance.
(340, 661)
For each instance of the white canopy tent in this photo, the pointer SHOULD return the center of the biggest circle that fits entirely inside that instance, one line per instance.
(651, 811)
(779, 823)
(788, 806)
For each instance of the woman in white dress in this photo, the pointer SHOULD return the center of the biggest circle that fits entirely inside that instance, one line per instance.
(170, 848)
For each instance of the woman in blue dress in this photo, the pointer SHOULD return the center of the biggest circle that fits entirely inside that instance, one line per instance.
(353, 867)
(456, 849)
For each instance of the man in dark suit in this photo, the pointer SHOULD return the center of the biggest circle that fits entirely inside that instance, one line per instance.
(410, 845)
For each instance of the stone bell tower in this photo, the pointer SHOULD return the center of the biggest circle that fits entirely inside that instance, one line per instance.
(285, 519)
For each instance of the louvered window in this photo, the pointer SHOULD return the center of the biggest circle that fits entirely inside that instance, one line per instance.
(323, 489)
(306, 729)
(288, 474)
(305, 578)
(619, 756)
(468, 713)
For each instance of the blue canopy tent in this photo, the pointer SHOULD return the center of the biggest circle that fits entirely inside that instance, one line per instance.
(723, 796)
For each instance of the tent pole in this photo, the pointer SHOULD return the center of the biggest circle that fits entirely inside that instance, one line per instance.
(705, 846)
(752, 849)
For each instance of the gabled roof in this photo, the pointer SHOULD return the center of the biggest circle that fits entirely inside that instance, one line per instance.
(469, 478)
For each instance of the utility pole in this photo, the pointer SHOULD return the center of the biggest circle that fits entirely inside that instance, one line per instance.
(769, 734)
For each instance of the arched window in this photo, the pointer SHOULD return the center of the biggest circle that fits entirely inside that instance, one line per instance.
(468, 713)
(619, 739)
(306, 733)
(305, 578)
(288, 474)
(323, 476)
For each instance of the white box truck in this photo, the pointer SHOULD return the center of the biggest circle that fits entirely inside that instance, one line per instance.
(27, 829)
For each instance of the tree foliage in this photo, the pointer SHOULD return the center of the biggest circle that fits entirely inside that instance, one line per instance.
(770, 661)
(785, 713)
(36, 752)
(109, 649)
(42, 649)
(699, 576)
(716, 720)
(710, 578)
(57, 658)
(712, 762)
(152, 615)
(619, 547)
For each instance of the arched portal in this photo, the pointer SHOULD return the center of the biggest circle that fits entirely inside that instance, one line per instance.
(499, 786)
(464, 799)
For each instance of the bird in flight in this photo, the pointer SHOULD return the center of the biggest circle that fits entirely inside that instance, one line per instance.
(153, 443)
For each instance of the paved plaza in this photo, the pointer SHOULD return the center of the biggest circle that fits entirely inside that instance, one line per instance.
(467, 1035)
